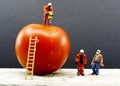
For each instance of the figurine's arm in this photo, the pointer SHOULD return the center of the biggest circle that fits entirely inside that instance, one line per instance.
(101, 61)
(92, 60)
(45, 10)
(51, 9)
(77, 59)
(85, 59)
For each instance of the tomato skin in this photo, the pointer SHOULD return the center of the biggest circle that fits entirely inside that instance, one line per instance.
(52, 50)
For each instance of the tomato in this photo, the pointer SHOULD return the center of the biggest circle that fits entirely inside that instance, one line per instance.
(52, 49)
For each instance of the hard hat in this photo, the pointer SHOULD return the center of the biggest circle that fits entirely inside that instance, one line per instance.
(49, 4)
(99, 51)
(81, 51)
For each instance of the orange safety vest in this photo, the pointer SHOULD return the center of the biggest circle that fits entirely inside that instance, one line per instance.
(100, 58)
(84, 58)
(47, 8)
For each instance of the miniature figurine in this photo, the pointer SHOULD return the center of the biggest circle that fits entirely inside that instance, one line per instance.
(81, 60)
(96, 62)
(48, 13)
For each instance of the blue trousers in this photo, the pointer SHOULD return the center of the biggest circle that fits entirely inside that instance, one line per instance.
(95, 68)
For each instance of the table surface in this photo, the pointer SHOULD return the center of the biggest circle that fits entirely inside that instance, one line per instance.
(62, 77)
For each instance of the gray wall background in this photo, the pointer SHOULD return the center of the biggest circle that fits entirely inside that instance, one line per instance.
(90, 24)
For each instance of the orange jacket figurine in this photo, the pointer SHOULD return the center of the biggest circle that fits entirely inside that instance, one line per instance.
(81, 61)
(48, 13)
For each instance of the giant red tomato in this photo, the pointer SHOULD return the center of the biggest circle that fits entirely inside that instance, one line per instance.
(52, 50)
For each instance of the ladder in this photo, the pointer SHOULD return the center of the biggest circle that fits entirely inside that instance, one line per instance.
(31, 57)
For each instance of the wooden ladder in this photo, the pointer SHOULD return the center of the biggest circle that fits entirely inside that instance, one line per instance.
(31, 57)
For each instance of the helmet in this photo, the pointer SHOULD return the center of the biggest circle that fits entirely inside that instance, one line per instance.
(98, 51)
(49, 4)
(81, 51)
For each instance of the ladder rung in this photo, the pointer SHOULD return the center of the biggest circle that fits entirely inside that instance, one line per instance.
(31, 55)
(32, 42)
(30, 63)
(30, 60)
(32, 45)
(31, 52)
(29, 72)
(32, 49)
(33, 39)
(29, 67)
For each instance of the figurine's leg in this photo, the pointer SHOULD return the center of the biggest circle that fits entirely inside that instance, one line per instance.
(82, 70)
(97, 68)
(93, 68)
(48, 21)
(78, 72)
(44, 21)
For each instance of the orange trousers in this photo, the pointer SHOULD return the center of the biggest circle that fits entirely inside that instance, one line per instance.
(46, 19)
(81, 69)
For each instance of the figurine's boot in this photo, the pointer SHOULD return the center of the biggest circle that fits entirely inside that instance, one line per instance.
(94, 72)
(82, 74)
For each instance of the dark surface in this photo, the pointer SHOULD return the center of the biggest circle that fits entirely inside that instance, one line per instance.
(90, 24)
